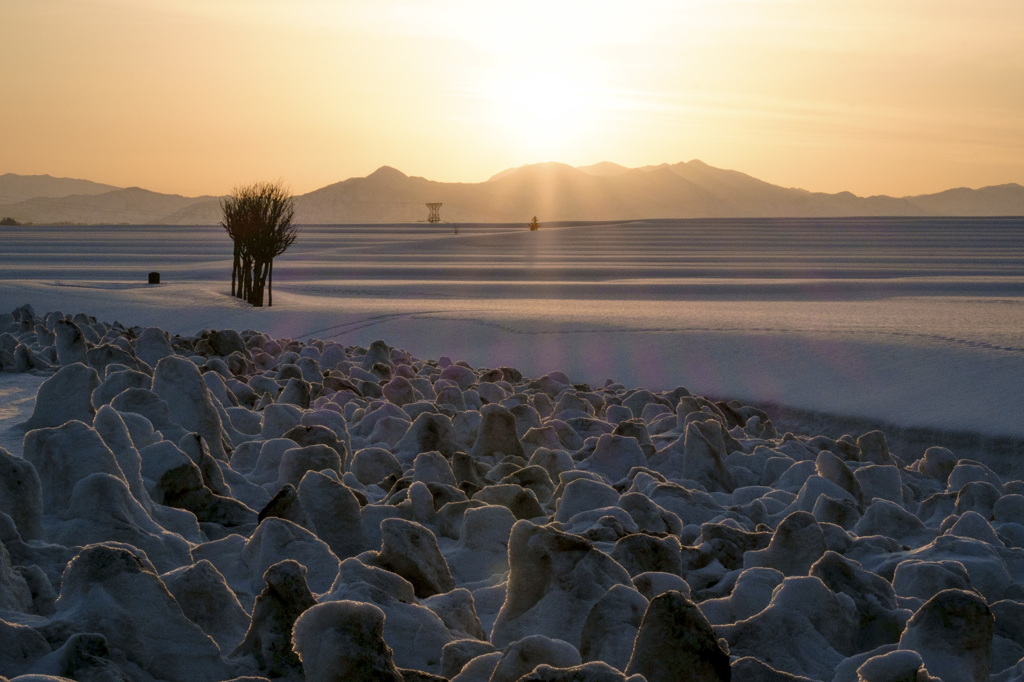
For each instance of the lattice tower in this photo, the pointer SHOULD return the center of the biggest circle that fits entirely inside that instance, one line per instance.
(435, 213)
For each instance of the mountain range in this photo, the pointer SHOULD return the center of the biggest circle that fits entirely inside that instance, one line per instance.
(551, 191)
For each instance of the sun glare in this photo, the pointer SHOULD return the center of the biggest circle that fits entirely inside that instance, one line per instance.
(542, 71)
(546, 110)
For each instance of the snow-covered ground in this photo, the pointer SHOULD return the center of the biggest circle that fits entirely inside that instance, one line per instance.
(219, 504)
(911, 322)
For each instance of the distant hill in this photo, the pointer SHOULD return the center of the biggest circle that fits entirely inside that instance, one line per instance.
(16, 188)
(132, 205)
(551, 191)
(994, 200)
(604, 168)
(385, 196)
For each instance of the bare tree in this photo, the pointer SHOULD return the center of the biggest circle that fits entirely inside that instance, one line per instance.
(259, 219)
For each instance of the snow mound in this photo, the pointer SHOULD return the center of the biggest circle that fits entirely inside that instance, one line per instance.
(231, 505)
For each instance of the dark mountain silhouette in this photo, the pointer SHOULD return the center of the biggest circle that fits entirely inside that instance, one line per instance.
(551, 191)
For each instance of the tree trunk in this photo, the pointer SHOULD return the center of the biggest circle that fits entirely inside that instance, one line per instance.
(245, 285)
(250, 284)
(259, 280)
(270, 284)
(242, 270)
(234, 268)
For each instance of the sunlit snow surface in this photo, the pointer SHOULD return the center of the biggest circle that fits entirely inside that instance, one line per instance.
(914, 322)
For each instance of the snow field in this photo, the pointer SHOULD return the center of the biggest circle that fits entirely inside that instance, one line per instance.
(913, 322)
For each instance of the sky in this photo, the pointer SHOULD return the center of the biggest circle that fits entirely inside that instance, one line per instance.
(197, 96)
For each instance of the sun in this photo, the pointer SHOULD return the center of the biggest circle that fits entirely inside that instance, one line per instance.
(548, 108)
(542, 73)
(543, 103)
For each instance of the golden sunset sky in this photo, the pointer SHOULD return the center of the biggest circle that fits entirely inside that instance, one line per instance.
(194, 97)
